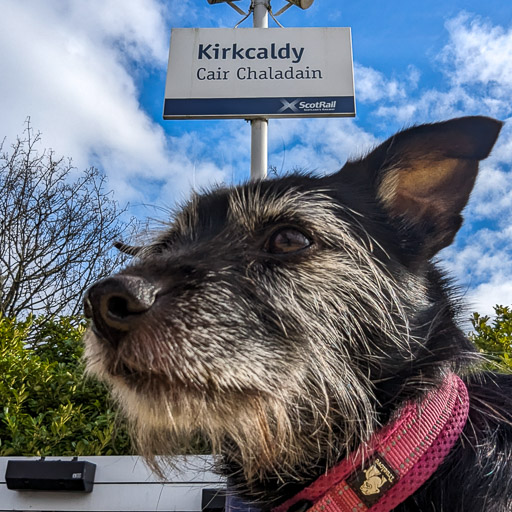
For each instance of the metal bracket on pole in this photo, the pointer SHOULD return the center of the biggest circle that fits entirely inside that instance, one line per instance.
(236, 8)
(259, 127)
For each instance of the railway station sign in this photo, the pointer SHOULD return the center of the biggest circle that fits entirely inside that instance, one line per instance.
(252, 73)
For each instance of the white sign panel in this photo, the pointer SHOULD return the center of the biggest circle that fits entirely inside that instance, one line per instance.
(259, 72)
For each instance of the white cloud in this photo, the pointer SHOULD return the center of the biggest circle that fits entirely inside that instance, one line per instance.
(479, 53)
(476, 63)
(136, 29)
(492, 197)
(433, 105)
(481, 261)
(372, 85)
(76, 67)
(73, 68)
(319, 145)
(496, 292)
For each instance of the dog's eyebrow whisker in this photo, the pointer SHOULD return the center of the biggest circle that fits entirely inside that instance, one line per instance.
(130, 250)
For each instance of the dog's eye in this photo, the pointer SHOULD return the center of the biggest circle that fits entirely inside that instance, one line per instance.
(286, 241)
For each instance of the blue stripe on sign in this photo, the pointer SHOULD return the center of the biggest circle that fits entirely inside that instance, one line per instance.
(269, 107)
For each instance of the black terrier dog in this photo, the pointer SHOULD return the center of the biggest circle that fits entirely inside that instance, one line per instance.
(301, 325)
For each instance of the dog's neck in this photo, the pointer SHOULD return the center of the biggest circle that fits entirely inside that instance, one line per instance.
(396, 461)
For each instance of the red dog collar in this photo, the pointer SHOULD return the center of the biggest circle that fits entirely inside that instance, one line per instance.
(396, 461)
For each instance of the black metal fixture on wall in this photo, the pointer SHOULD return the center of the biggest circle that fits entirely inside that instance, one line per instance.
(50, 475)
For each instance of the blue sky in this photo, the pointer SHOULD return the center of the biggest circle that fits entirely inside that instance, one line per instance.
(91, 76)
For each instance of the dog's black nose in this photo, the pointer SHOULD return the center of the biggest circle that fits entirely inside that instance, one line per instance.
(116, 303)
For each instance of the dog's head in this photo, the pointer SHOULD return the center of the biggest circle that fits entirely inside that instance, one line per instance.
(285, 319)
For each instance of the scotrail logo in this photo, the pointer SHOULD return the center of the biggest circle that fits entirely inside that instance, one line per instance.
(297, 105)
(289, 105)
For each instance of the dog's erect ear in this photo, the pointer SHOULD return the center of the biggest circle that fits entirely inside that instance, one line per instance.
(423, 176)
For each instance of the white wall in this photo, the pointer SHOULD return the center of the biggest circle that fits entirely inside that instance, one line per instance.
(122, 484)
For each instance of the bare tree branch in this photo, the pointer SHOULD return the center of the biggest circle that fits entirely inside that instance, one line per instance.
(57, 230)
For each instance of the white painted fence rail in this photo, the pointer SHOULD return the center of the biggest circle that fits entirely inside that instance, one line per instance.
(121, 484)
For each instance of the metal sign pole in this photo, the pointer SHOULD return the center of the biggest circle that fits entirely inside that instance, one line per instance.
(312, 66)
(259, 127)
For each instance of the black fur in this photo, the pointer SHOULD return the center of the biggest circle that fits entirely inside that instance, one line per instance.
(221, 294)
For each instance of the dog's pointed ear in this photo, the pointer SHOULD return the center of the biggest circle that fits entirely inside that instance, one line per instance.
(423, 176)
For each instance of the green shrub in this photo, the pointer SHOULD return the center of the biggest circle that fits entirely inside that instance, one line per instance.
(47, 407)
(494, 338)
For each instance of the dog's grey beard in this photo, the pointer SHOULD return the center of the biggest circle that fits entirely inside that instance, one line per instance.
(282, 435)
(318, 403)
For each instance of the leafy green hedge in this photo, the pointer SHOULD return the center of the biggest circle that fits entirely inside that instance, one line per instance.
(47, 407)
(494, 338)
